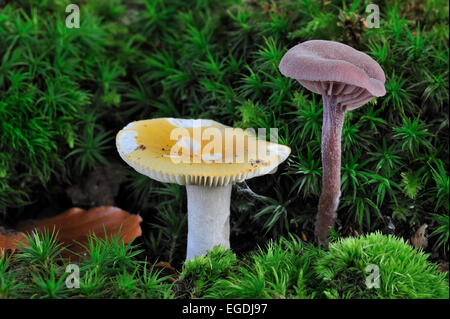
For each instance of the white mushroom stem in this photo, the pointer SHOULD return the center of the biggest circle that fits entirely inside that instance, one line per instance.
(208, 218)
(333, 120)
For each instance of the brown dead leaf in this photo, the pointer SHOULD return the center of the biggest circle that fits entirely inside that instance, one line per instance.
(419, 239)
(75, 225)
(10, 239)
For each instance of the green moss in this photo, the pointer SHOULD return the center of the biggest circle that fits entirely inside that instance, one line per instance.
(204, 271)
(404, 272)
(281, 270)
(292, 269)
(287, 268)
(108, 269)
(52, 80)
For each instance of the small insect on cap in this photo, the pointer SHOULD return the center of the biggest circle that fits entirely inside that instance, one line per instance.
(196, 152)
(335, 69)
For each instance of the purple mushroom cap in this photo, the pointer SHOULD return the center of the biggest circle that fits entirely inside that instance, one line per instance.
(335, 69)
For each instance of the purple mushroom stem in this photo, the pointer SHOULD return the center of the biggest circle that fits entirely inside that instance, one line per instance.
(333, 120)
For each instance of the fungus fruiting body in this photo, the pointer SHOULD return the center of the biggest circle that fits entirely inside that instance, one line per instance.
(208, 158)
(346, 79)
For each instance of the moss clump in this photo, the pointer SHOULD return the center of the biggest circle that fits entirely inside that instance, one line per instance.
(202, 272)
(404, 272)
(108, 269)
(284, 269)
(281, 270)
(292, 269)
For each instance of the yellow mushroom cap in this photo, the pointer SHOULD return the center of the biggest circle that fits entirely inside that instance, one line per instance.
(196, 152)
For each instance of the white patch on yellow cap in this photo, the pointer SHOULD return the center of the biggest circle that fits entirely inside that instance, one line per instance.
(189, 122)
(280, 150)
(128, 126)
(127, 142)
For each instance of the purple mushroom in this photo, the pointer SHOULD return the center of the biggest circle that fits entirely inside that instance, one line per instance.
(346, 78)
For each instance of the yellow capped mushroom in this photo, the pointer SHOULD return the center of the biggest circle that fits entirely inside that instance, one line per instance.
(207, 157)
